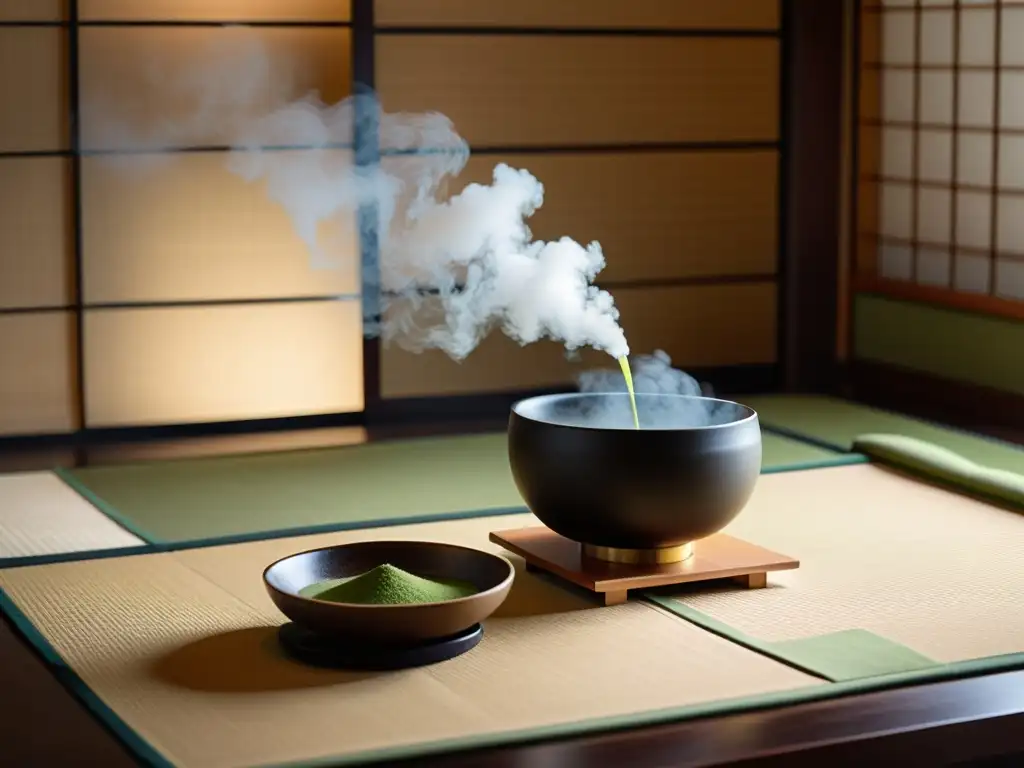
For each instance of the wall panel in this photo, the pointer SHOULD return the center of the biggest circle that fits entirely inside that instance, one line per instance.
(699, 326)
(661, 14)
(658, 216)
(193, 230)
(954, 345)
(180, 365)
(32, 90)
(35, 257)
(216, 10)
(32, 10)
(156, 87)
(37, 373)
(508, 90)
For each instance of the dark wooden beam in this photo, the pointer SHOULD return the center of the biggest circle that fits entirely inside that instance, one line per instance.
(970, 406)
(812, 81)
(953, 723)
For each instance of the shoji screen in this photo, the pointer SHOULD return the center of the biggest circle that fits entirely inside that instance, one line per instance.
(941, 210)
(199, 300)
(37, 369)
(661, 144)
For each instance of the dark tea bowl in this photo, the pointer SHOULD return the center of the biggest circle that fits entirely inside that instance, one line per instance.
(403, 624)
(589, 475)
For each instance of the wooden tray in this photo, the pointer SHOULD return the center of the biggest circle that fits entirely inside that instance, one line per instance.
(716, 557)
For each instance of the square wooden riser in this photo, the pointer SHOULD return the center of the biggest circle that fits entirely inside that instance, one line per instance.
(714, 558)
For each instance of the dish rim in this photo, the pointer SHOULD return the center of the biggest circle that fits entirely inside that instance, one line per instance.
(504, 584)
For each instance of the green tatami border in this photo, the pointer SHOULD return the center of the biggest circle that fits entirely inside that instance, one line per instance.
(839, 665)
(840, 460)
(823, 691)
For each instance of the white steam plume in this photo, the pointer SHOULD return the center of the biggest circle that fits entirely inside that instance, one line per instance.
(652, 375)
(449, 271)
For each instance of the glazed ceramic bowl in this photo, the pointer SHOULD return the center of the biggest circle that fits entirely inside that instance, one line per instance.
(588, 474)
(491, 574)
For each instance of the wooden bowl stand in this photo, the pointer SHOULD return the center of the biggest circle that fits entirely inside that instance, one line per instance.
(717, 557)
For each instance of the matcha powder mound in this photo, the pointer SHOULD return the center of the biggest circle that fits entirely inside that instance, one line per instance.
(387, 585)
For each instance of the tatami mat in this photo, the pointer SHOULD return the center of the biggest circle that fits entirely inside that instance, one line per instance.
(838, 423)
(391, 481)
(930, 569)
(180, 646)
(41, 515)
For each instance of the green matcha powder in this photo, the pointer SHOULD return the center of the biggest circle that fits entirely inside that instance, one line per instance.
(387, 585)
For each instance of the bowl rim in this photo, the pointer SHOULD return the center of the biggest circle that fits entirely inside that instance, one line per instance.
(504, 584)
(750, 413)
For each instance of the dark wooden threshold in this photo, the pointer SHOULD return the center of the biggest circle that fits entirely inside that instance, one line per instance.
(981, 409)
(977, 721)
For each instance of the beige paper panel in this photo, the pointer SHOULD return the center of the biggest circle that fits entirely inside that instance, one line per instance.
(190, 229)
(664, 14)
(699, 326)
(502, 90)
(37, 386)
(153, 87)
(32, 10)
(197, 674)
(685, 214)
(197, 364)
(215, 10)
(35, 232)
(32, 89)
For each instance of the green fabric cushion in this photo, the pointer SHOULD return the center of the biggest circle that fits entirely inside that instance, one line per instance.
(944, 465)
(839, 422)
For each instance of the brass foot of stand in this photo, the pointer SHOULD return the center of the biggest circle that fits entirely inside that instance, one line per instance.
(640, 556)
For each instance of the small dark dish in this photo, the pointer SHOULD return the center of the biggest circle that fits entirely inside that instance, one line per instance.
(589, 475)
(329, 651)
(395, 625)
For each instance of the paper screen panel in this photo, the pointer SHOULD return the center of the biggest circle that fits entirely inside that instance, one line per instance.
(201, 364)
(32, 89)
(1010, 232)
(32, 10)
(188, 228)
(1009, 279)
(698, 326)
(156, 87)
(35, 232)
(215, 10)
(686, 214)
(37, 387)
(977, 35)
(655, 14)
(515, 90)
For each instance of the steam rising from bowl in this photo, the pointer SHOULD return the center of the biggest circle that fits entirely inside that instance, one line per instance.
(438, 271)
(612, 411)
(666, 398)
